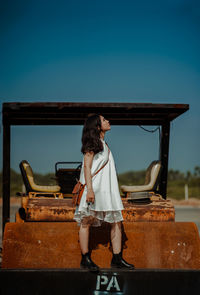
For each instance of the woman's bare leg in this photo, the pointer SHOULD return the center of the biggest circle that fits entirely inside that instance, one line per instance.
(116, 237)
(84, 237)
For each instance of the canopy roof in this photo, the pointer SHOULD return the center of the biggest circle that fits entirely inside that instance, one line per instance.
(74, 113)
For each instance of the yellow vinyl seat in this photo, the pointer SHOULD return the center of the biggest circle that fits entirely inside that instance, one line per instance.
(30, 185)
(151, 181)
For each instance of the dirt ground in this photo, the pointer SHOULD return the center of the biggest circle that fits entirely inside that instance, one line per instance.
(190, 202)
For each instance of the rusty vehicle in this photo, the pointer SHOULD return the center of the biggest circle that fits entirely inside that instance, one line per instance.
(41, 253)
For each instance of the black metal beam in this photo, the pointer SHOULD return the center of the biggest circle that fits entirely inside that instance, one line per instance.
(164, 155)
(74, 113)
(80, 122)
(6, 174)
(107, 281)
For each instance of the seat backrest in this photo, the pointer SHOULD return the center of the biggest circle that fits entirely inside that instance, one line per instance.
(27, 175)
(152, 174)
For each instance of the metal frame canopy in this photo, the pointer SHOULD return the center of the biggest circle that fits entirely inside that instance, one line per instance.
(74, 113)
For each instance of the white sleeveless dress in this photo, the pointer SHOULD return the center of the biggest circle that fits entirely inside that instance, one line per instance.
(108, 204)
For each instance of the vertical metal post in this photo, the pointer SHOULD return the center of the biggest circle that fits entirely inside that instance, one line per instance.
(164, 155)
(6, 174)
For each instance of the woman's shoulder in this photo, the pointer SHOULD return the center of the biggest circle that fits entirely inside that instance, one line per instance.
(88, 154)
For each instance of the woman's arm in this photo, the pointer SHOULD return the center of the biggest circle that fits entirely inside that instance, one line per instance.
(88, 158)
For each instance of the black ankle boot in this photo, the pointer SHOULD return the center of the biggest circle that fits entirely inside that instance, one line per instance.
(118, 262)
(86, 262)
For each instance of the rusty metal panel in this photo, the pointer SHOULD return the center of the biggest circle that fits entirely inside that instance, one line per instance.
(157, 210)
(40, 245)
(49, 209)
(148, 245)
(46, 209)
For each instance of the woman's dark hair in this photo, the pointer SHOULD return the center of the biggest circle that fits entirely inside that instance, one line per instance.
(91, 134)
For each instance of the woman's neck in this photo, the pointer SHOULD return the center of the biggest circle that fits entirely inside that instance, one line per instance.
(102, 134)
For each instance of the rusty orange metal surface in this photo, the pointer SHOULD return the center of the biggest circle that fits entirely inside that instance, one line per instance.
(157, 210)
(43, 209)
(155, 245)
(46, 209)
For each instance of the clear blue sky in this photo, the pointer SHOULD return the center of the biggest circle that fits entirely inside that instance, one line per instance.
(97, 51)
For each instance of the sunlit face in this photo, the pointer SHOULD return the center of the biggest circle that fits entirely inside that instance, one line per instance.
(105, 125)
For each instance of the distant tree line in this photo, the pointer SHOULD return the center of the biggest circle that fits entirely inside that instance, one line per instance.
(176, 181)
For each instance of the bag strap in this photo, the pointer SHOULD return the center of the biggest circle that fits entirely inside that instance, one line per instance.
(103, 165)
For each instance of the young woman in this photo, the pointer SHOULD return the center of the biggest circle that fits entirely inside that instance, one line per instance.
(101, 199)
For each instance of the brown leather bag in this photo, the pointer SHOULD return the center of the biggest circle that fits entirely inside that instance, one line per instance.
(77, 193)
(79, 187)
